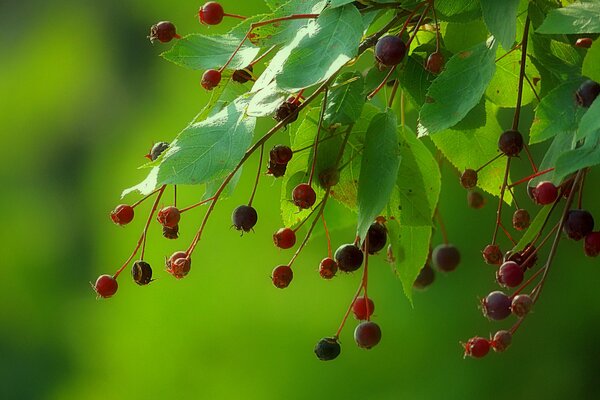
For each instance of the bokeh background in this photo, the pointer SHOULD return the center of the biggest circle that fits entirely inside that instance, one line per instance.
(83, 96)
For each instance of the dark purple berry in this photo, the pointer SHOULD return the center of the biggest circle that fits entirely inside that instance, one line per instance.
(446, 257)
(578, 224)
(377, 235)
(242, 75)
(390, 50)
(591, 245)
(141, 272)
(363, 308)
(349, 257)
(287, 111)
(521, 305)
(280, 154)
(511, 143)
(170, 233)
(501, 341)
(587, 93)
(496, 306)
(327, 349)
(276, 170)
(367, 334)
(425, 278)
(510, 274)
(584, 43)
(244, 218)
(468, 179)
(525, 258)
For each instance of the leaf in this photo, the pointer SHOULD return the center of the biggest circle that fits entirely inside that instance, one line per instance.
(415, 79)
(534, 228)
(458, 88)
(338, 3)
(460, 36)
(346, 101)
(574, 19)
(590, 122)
(501, 19)
(591, 65)
(562, 142)
(502, 88)
(197, 51)
(329, 42)
(458, 10)
(379, 169)
(576, 159)
(266, 101)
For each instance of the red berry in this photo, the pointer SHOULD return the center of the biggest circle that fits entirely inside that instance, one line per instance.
(242, 75)
(141, 272)
(179, 264)
(587, 93)
(475, 200)
(363, 308)
(106, 286)
(282, 276)
(446, 257)
(496, 306)
(521, 305)
(281, 154)
(510, 274)
(287, 111)
(164, 32)
(435, 63)
(328, 268)
(591, 245)
(545, 193)
(578, 224)
(511, 143)
(525, 258)
(584, 43)
(492, 254)
(477, 347)
(468, 179)
(521, 219)
(501, 341)
(244, 218)
(304, 196)
(367, 334)
(169, 217)
(211, 13)
(425, 278)
(122, 215)
(211, 79)
(390, 50)
(349, 257)
(329, 177)
(284, 238)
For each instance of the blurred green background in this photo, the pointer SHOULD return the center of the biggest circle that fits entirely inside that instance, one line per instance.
(84, 95)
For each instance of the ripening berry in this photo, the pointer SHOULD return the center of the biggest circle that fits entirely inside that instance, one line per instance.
(390, 50)
(244, 218)
(164, 32)
(510, 274)
(106, 286)
(281, 154)
(242, 75)
(157, 150)
(591, 245)
(282, 276)
(276, 170)
(211, 79)
(521, 305)
(327, 349)
(141, 272)
(446, 257)
(501, 341)
(521, 219)
(170, 233)
(435, 63)
(477, 347)
(179, 264)
(468, 179)
(377, 235)
(122, 215)
(525, 258)
(363, 308)
(328, 268)
(578, 224)
(425, 278)
(169, 216)
(587, 93)
(284, 238)
(367, 334)
(545, 193)
(304, 196)
(475, 200)
(287, 111)
(211, 13)
(511, 143)
(329, 177)
(584, 43)
(349, 257)
(496, 306)
(492, 254)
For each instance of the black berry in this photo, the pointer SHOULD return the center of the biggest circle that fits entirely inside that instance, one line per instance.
(496, 306)
(276, 170)
(170, 233)
(477, 347)
(587, 93)
(377, 235)
(511, 143)
(304, 196)
(244, 218)
(164, 32)
(390, 50)
(287, 111)
(211, 13)
(578, 224)
(328, 268)
(501, 341)
(349, 257)
(446, 257)
(141, 272)
(367, 334)
(242, 75)
(468, 179)
(327, 349)
(280, 154)
(521, 219)
(425, 278)
(282, 276)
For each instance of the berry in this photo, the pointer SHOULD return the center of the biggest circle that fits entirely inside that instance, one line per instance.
(244, 218)
(284, 238)
(304, 196)
(363, 308)
(276, 170)
(526, 258)
(496, 306)
(211, 13)
(179, 264)
(584, 43)
(122, 215)
(328, 268)
(170, 233)
(425, 278)
(282, 276)
(367, 334)
(521, 219)
(578, 224)
(446, 257)
(591, 245)
(492, 254)
(157, 150)
(510, 274)
(377, 235)
(242, 75)
(468, 179)
(435, 63)
(545, 193)
(390, 50)
(106, 286)
(211, 79)
(587, 93)
(280, 154)
(141, 272)
(521, 305)
(477, 347)
(511, 143)
(475, 200)
(287, 111)
(327, 349)
(164, 32)
(501, 341)
(169, 216)
(329, 177)
(349, 257)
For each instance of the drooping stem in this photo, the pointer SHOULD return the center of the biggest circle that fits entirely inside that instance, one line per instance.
(500, 202)
(327, 236)
(530, 177)
(316, 144)
(515, 125)
(137, 203)
(260, 161)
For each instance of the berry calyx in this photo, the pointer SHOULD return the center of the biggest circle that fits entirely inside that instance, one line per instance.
(179, 264)
(329, 177)
(363, 308)
(377, 235)
(510, 274)
(578, 224)
(282, 276)
(521, 305)
(244, 218)
(284, 238)
(304, 196)
(328, 268)
(122, 214)
(164, 32)
(287, 111)
(435, 63)
(501, 341)
(587, 93)
(276, 170)
(591, 245)
(496, 306)
(141, 272)
(367, 334)
(475, 200)
(242, 75)
(169, 217)
(545, 193)
(211, 79)
(492, 254)
(106, 286)
(425, 278)
(170, 233)
(584, 43)
(446, 257)
(468, 179)
(157, 150)
(327, 349)
(211, 13)
(521, 219)
(477, 347)
(349, 257)
(281, 154)
(390, 50)
(511, 143)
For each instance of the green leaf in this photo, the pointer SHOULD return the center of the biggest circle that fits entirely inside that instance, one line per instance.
(451, 96)
(576, 159)
(458, 10)
(590, 122)
(534, 228)
(563, 142)
(197, 51)
(338, 3)
(379, 169)
(415, 79)
(346, 101)
(502, 88)
(591, 62)
(266, 101)
(460, 36)
(501, 19)
(574, 19)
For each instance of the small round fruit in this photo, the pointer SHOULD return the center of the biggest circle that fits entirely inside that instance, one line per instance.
(304, 196)
(578, 224)
(446, 257)
(367, 334)
(435, 63)
(179, 264)
(501, 341)
(169, 216)
(545, 193)
(363, 308)
(281, 154)
(157, 150)
(425, 278)
(511, 143)
(282, 276)
(106, 286)
(468, 179)
(496, 306)
(587, 93)
(276, 170)
(244, 218)
(377, 235)
(287, 111)
(521, 219)
(242, 75)
(122, 215)
(327, 349)
(329, 177)
(284, 238)
(170, 233)
(510, 274)
(584, 43)
(525, 258)
(211, 79)
(475, 200)
(164, 32)
(591, 245)
(390, 50)
(141, 272)
(477, 347)
(328, 268)
(211, 13)
(521, 305)
(492, 254)
(349, 257)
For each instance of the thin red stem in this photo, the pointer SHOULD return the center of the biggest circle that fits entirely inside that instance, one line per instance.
(137, 203)
(530, 177)
(507, 233)
(499, 210)
(442, 226)
(235, 16)
(258, 173)
(316, 144)
(515, 125)
(530, 158)
(489, 162)
(196, 205)
(329, 251)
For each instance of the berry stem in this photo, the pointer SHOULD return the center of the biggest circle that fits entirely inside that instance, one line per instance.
(530, 158)
(437, 27)
(515, 125)
(258, 173)
(316, 144)
(489, 162)
(507, 234)
(417, 26)
(262, 56)
(402, 109)
(393, 94)
(530, 177)
(296, 229)
(234, 16)
(502, 190)
(580, 199)
(440, 221)
(365, 279)
(329, 251)
(137, 203)
(195, 205)
(532, 88)
(516, 47)
(382, 84)
(174, 195)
